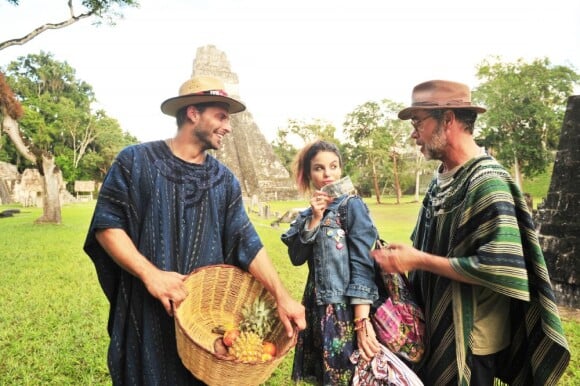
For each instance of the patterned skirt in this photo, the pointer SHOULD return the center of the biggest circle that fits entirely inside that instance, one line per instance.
(324, 348)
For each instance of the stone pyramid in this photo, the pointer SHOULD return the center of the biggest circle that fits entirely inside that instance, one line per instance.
(245, 150)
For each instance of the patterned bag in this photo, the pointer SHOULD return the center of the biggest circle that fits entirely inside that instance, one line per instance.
(399, 322)
(385, 369)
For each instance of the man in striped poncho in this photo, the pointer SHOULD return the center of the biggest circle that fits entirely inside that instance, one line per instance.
(475, 263)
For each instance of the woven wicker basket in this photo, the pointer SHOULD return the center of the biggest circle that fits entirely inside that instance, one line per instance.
(216, 297)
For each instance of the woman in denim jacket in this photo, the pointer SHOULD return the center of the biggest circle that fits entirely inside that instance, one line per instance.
(340, 288)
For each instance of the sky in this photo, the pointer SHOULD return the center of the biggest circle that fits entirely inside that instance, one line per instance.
(297, 59)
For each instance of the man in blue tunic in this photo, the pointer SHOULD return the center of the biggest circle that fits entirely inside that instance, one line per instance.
(165, 209)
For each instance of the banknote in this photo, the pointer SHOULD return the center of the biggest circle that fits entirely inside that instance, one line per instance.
(340, 187)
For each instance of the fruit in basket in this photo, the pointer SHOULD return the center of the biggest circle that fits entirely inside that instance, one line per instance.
(247, 348)
(257, 322)
(258, 318)
(269, 348)
(220, 348)
(230, 336)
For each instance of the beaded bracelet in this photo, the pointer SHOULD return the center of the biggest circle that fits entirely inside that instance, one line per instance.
(360, 324)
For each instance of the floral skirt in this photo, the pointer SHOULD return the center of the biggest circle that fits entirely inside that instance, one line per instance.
(324, 348)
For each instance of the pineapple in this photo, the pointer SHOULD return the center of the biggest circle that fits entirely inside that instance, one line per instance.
(257, 322)
(247, 347)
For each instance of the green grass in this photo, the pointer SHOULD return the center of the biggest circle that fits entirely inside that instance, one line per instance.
(54, 315)
(538, 186)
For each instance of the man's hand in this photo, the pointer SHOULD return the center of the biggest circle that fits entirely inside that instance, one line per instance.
(291, 314)
(397, 258)
(167, 287)
(401, 258)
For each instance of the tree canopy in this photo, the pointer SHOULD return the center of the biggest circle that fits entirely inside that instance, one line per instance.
(525, 108)
(58, 118)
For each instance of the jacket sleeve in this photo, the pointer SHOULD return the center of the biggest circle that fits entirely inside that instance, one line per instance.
(361, 235)
(299, 249)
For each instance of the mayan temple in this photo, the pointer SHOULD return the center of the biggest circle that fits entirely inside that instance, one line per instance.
(557, 216)
(245, 151)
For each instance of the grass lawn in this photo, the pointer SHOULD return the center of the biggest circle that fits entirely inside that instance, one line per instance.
(53, 316)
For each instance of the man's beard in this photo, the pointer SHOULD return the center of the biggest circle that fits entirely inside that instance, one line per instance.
(435, 149)
(205, 138)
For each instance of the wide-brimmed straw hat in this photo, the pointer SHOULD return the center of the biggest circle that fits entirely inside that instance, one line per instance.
(201, 89)
(439, 94)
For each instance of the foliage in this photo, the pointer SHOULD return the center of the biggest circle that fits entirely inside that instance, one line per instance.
(526, 103)
(380, 142)
(283, 149)
(301, 132)
(58, 118)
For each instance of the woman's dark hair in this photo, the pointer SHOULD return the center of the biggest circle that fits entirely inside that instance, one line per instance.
(303, 161)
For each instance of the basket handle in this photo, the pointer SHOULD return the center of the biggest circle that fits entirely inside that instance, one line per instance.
(289, 343)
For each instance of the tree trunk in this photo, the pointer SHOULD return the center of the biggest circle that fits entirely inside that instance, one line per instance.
(417, 184)
(10, 127)
(376, 183)
(418, 174)
(397, 182)
(51, 198)
(50, 172)
(518, 173)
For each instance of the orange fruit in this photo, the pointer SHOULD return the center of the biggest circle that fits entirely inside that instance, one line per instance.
(230, 336)
(269, 348)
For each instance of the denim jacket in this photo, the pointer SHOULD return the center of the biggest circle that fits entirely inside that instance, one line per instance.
(343, 267)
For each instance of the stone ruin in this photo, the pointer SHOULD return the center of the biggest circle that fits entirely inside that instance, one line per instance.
(557, 218)
(25, 189)
(245, 150)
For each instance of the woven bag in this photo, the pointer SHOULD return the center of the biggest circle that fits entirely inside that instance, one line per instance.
(399, 321)
(216, 296)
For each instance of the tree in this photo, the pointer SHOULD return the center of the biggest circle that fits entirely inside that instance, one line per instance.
(525, 103)
(303, 132)
(54, 103)
(99, 10)
(283, 148)
(379, 137)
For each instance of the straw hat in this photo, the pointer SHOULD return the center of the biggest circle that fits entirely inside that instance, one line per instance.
(439, 94)
(201, 89)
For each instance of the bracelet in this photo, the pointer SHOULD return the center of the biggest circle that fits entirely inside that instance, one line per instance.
(360, 324)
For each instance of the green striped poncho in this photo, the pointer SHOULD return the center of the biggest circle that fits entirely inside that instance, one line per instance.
(481, 222)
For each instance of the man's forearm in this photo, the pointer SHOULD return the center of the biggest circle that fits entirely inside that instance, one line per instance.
(122, 250)
(263, 270)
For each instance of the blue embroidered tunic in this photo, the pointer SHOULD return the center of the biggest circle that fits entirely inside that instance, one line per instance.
(181, 216)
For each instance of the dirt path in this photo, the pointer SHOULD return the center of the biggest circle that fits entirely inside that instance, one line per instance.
(569, 313)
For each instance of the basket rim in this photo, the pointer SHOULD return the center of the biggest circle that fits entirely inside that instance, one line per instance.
(279, 355)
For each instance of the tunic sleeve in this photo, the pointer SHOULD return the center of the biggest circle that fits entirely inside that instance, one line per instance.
(242, 242)
(112, 211)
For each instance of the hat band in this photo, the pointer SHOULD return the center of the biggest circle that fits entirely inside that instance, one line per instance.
(448, 103)
(211, 92)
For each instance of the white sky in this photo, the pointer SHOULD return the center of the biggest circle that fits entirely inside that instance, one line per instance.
(297, 59)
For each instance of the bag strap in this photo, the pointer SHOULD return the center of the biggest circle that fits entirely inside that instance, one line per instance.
(390, 278)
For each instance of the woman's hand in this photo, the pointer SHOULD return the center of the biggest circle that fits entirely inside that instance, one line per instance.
(319, 202)
(368, 344)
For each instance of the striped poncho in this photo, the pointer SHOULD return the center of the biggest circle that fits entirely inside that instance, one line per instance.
(481, 222)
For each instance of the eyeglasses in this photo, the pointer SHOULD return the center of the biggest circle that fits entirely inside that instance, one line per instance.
(417, 122)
